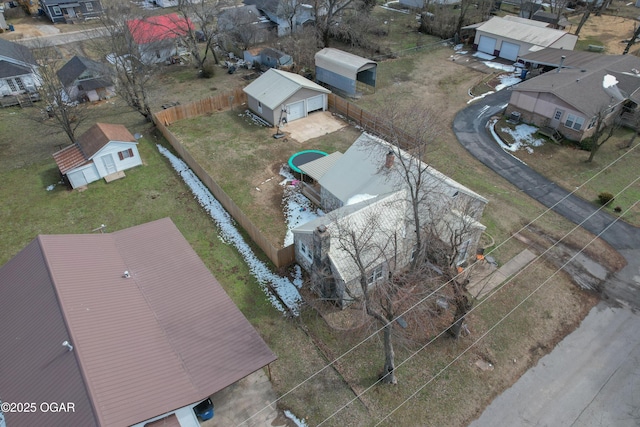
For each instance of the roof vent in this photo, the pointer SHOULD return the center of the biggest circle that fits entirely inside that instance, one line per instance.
(66, 344)
(126, 274)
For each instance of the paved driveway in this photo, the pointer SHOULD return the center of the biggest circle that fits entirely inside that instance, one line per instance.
(592, 378)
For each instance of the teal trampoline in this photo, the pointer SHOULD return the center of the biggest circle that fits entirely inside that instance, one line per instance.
(304, 157)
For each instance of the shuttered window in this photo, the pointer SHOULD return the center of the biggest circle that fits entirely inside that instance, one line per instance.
(125, 154)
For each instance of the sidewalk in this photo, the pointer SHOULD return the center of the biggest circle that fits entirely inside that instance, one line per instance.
(485, 277)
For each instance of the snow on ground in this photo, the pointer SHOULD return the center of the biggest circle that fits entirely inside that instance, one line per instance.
(297, 208)
(523, 135)
(287, 291)
(483, 55)
(506, 80)
(499, 66)
(298, 422)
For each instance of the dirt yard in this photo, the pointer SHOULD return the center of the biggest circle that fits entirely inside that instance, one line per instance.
(609, 31)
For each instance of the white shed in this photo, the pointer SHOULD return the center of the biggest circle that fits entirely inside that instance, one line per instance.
(102, 151)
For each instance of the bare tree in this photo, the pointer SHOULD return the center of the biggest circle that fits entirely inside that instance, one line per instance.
(632, 40)
(64, 114)
(327, 14)
(201, 36)
(239, 28)
(134, 76)
(604, 131)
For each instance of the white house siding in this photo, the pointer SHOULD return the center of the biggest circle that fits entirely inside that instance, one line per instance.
(28, 81)
(112, 149)
(83, 176)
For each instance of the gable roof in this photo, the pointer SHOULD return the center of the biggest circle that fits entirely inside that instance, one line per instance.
(531, 32)
(157, 28)
(163, 338)
(360, 170)
(341, 62)
(16, 52)
(276, 86)
(77, 65)
(69, 158)
(583, 89)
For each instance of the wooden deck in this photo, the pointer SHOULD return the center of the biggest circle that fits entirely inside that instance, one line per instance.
(114, 176)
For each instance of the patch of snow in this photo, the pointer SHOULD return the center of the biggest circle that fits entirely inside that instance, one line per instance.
(523, 136)
(298, 422)
(609, 81)
(286, 291)
(483, 55)
(458, 47)
(360, 198)
(297, 210)
(51, 187)
(507, 80)
(498, 66)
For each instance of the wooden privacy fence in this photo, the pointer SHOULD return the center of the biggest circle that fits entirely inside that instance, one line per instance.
(279, 256)
(369, 122)
(221, 102)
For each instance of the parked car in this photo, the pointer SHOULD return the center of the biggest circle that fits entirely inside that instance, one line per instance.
(204, 409)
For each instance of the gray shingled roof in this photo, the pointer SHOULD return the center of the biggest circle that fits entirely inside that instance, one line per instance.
(582, 88)
(77, 65)
(165, 337)
(276, 86)
(573, 58)
(16, 51)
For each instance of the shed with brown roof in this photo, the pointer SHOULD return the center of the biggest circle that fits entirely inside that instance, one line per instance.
(130, 326)
(104, 150)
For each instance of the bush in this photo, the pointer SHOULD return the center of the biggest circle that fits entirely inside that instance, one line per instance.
(617, 209)
(207, 71)
(605, 198)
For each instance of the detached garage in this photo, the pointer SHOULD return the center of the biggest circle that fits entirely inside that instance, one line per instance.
(343, 70)
(282, 96)
(511, 37)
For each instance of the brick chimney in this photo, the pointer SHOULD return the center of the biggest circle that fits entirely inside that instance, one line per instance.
(388, 163)
(322, 281)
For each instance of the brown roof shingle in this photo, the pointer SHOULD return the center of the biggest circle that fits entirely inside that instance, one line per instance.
(165, 337)
(100, 134)
(69, 158)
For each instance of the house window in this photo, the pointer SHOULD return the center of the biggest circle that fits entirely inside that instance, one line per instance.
(462, 251)
(557, 115)
(574, 122)
(19, 83)
(12, 85)
(157, 54)
(304, 250)
(375, 275)
(593, 121)
(15, 84)
(89, 6)
(56, 10)
(125, 154)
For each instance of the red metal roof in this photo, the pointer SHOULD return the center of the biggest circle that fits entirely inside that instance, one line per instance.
(165, 337)
(156, 28)
(69, 158)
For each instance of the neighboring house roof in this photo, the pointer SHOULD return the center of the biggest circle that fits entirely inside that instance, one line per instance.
(583, 88)
(56, 2)
(79, 65)
(317, 168)
(7, 69)
(277, 7)
(164, 337)
(361, 170)
(240, 15)
(89, 143)
(157, 28)
(572, 58)
(276, 86)
(532, 32)
(16, 52)
(551, 18)
(341, 62)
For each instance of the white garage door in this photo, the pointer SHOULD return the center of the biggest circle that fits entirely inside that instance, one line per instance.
(315, 103)
(487, 45)
(509, 51)
(295, 111)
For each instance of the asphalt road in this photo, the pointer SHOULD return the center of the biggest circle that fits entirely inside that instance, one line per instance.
(62, 38)
(592, 377)
(470, 128)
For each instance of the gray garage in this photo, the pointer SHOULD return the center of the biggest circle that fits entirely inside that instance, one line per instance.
(278, 96)
(343, 71)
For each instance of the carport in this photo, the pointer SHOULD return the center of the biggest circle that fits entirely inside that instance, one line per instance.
(343, 70)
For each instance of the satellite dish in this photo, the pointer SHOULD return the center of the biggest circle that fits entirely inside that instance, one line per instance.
(137, 136)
